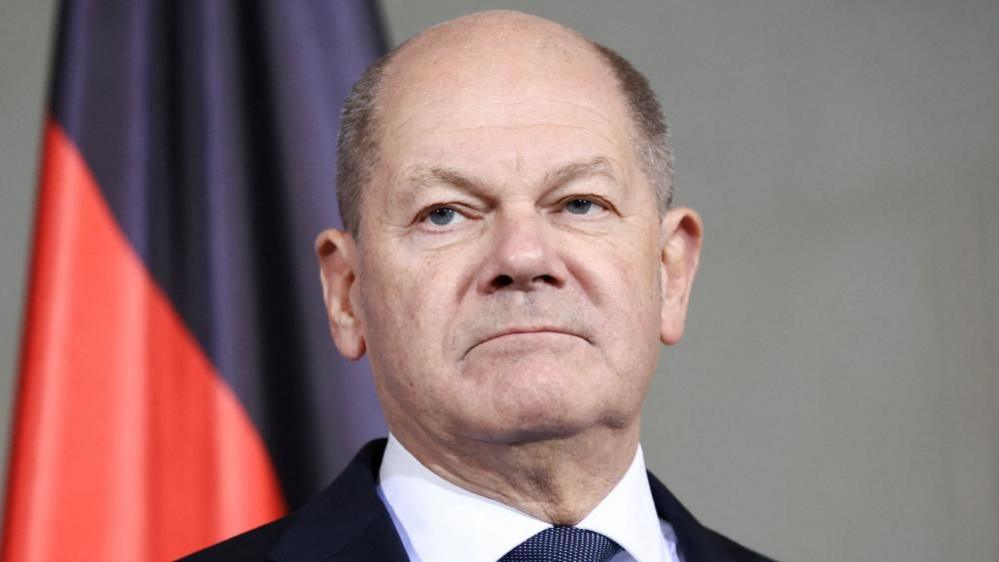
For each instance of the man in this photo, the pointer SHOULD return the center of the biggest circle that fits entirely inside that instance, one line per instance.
(510, 264)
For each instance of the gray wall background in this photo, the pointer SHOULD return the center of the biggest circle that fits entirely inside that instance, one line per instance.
(835, 397)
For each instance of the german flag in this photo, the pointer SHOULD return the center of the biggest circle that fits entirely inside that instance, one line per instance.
(177, 383)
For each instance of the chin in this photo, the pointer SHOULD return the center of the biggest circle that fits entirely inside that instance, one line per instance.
(542, 394)
(539, 417)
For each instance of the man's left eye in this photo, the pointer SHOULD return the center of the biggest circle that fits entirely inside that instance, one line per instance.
(583, 206)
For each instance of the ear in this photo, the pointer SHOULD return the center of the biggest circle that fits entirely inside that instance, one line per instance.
(337, 254)
(682, 235)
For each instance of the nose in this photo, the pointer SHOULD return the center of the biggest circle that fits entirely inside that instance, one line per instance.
(522, 258)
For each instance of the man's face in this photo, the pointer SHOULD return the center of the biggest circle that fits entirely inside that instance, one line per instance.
(509, 263)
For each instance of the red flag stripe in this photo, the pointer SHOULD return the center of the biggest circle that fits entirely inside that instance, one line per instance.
(127, 445)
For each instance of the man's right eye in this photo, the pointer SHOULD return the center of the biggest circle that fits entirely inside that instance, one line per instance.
(444, 216)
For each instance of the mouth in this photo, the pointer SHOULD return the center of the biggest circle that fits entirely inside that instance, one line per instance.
(530, 331)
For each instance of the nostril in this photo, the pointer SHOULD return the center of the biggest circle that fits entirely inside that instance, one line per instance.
(550, 280)
(502, 281)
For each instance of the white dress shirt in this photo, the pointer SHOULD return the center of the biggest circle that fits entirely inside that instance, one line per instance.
(440, 522)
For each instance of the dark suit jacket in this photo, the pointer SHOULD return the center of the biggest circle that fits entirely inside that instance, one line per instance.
(348, 522)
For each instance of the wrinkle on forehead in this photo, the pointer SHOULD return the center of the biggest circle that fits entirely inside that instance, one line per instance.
(509, 113)
(422, 177)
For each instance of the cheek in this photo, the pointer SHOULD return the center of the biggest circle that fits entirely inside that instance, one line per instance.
(412, 306)
(645, 278)
(623, 276)
(624, 284)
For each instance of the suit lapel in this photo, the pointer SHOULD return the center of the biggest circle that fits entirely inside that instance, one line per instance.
(347, 522)
(695, 543)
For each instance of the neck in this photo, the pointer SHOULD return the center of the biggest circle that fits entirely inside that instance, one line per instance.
(558, 480)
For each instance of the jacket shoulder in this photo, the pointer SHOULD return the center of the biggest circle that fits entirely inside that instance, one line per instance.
(346, 522)
(251, 546)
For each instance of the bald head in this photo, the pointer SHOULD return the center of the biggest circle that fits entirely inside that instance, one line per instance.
(504, 58)
(513, 32)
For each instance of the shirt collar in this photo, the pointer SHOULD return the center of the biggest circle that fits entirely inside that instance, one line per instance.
(438, 521)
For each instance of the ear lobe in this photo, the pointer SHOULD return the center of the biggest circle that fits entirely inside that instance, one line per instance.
(337, 255)
(682, 236)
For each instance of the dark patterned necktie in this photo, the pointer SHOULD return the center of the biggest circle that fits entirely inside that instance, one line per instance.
(563, 544)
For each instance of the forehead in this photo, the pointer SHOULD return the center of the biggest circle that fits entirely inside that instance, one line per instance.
(499, 95)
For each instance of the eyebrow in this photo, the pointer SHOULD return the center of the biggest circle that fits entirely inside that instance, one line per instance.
(596, 166)
(438, 174)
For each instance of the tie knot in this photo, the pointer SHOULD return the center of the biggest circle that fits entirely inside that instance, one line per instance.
(563, 544)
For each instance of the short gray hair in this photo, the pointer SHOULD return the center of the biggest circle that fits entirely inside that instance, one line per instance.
(358, 150)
